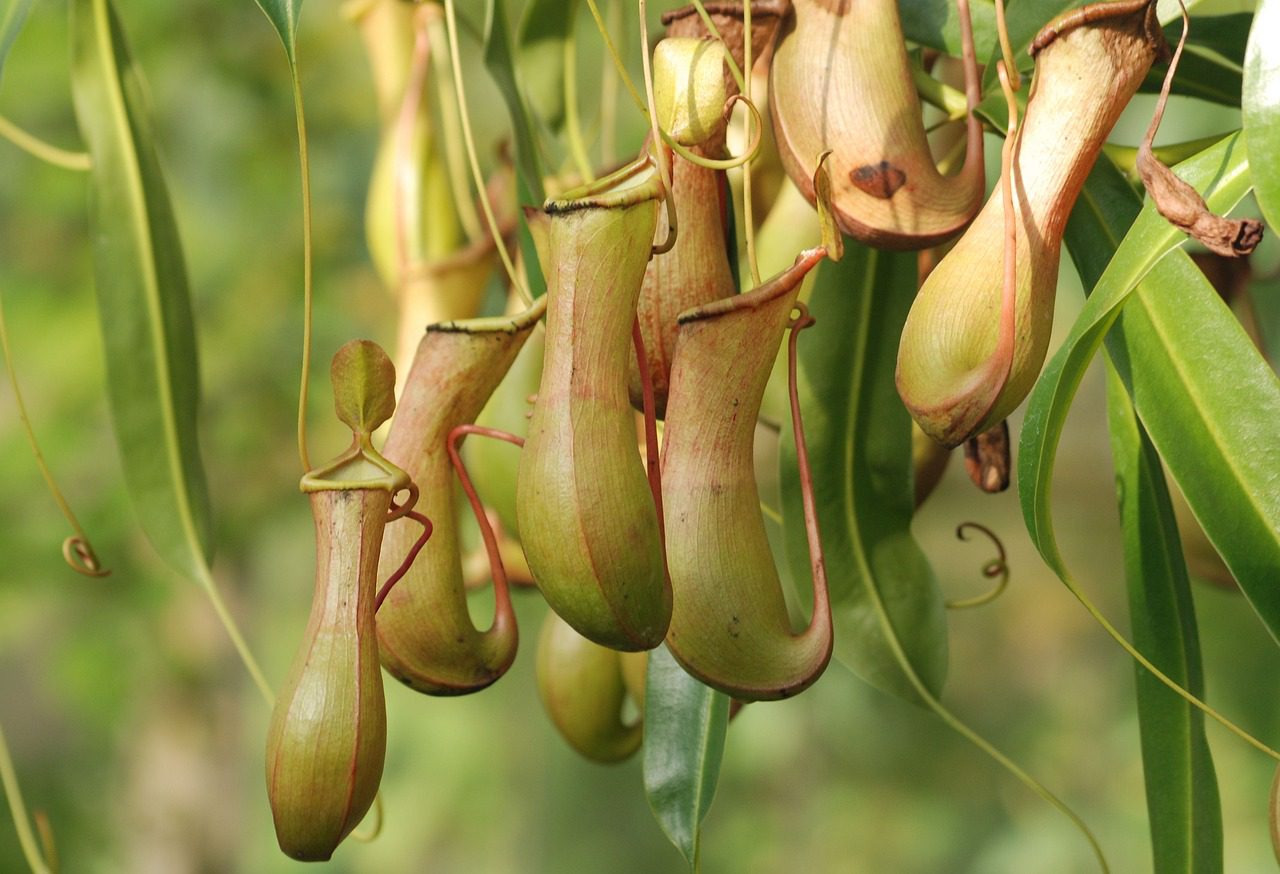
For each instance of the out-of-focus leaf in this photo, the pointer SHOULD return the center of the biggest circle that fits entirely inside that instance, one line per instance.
(11, 25)
(1182, 788)
(884, 596)
(684, 731)
(1204, 394)
(1261, 105)
(545, 28)
(144, 304)
(1201, 76)
(936, 24)
(500, 61)
(283, 15)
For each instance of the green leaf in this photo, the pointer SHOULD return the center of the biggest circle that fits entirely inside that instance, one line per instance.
(885, 600)
(684, 730)
(936, 24)
(283, 15)
(1261, 105)
(14, 17)
(144, 304)
(1182, 788)
(545, 28)
(364, 385)
(1208, 400)
(500, 61)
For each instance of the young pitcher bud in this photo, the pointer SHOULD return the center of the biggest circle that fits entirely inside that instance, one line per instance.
(688, 88)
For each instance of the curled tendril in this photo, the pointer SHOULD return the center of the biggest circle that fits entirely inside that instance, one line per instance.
(79, 554)
(996, 569)
(375, 828)
(413, 551)
(398, 511)
(724, 163)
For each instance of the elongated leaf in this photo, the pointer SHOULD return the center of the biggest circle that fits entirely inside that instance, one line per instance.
(283, 15)
(936, 24)
(545, 28)
(500, 61)
(1204, 394)
(1182, 788)
(14, 17)
(684, 731)
(884, 596)
(144, 304)
(1261, 105)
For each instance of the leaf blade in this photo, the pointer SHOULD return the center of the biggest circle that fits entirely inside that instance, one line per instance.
(1204, 394)
(14, 17)
(1261, 108)
(685, 724)
(1181, 784)
(886, 604)
(144, 302)
(283, 15)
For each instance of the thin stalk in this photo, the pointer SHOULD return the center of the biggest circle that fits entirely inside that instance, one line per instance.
(748, 221)
(205, 579)
(1006, 48)
(573, 125)
(715, 31)
(941, 95)
(454, 157)
(78, 545)
(46, 152)
(997, 569)
(304, 162)
(18, 809)
(664, 167)
(451, 27)
(609, 97)
(617, 58)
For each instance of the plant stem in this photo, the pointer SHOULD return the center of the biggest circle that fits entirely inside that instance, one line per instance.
(573, 124)
(89, 565)
(748, 220)
(609, 98)
(206, 582)
(617, 58)
(18, 810)
(46, 152)
(453, 148)
(304, 163)
(451, 28)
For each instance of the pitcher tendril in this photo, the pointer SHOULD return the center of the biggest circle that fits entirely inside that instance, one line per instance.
(76, 549)
(996, 569)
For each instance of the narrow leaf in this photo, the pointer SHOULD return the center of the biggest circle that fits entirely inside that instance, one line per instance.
(283, 15)
(500, 61)
(884, 597)
(1204, 394)
(684, 731)
(1182, 788)
(936, 24)
(545, 28)
(144, 304)
(14, 17)
(1261, 105)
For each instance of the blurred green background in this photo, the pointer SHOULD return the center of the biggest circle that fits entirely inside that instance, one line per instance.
(134, 727)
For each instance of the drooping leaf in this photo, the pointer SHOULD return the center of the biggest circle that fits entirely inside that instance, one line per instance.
(11, 25)
(1182, 788)
(884, 596)
(684, 731)
(936, 24)
(546, 26)
(283, 15)
(143, 300)
(1261, 108)
(1204, 394)
(499, 59)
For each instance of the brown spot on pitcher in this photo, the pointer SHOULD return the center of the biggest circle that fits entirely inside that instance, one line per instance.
(879, 180)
